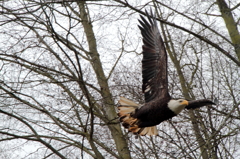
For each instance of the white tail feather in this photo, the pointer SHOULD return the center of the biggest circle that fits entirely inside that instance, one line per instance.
(123, 110)
(149, 131)
(126, 107)
(126, 102)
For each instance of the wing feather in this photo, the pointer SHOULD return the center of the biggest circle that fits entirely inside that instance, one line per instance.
(154, 62)
(199, 103)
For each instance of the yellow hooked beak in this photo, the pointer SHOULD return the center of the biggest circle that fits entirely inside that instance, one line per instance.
(185, 102)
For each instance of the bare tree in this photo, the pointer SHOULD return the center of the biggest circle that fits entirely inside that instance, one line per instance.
(60, 94)
(64, 63)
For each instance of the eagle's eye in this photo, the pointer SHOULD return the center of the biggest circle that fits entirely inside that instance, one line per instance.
(180, 101)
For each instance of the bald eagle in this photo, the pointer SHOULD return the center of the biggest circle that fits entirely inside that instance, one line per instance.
(159, 106)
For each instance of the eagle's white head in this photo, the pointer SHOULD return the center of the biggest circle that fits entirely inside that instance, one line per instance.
(177, 105)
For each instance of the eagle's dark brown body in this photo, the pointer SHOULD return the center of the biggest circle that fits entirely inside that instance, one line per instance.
(158, 105)
(158, 113)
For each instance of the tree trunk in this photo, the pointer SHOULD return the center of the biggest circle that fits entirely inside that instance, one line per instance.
(186, 94)
(110, 112)
(231, 25)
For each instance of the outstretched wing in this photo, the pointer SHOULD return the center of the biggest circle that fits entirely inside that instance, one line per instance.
(154, 62)
(199, 103)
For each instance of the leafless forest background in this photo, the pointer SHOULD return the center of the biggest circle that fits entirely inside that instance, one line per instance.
(63, 66)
